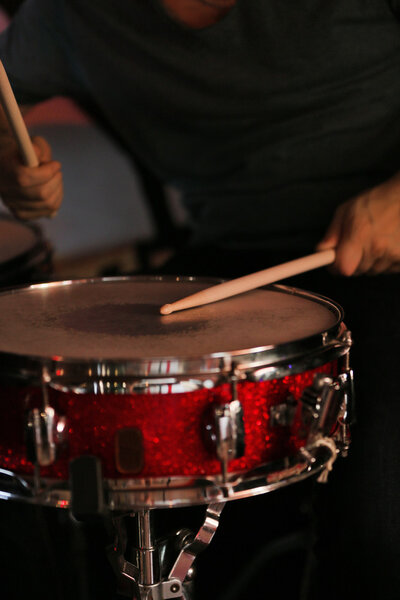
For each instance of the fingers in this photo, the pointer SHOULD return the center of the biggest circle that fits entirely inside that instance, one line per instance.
(344, 235)
(42, 149)
(386, 257)
(23, 178)
(34, 186)
(31, 211)
(43, 200)
(30, 192)
(348, 234)
(365, 232)
(349, 253)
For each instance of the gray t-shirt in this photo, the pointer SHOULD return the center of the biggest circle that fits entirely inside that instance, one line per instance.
(266, 120)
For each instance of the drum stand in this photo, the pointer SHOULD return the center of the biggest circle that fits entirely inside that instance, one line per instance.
(163, 570)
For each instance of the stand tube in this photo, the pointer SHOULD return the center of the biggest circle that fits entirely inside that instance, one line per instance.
(147, 553)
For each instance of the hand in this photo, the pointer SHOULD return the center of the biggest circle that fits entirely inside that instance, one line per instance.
(30, 192)
(366, 232)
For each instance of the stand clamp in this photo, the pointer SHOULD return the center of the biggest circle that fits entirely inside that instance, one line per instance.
(145, 578)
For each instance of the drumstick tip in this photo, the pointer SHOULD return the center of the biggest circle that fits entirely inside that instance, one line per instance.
(166, 309)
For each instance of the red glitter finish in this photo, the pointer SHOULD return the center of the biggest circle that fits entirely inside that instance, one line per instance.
(172, 426)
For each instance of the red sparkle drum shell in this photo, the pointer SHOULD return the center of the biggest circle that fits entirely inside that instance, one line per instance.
(25, 255)
(134, 389)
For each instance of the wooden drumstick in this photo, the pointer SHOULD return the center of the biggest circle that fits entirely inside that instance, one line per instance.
(252, 281)
(16, 121)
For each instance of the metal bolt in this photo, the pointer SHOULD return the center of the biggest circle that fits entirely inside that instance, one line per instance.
(175, 587)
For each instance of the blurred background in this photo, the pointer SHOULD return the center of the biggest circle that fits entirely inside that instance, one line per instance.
(116, 217)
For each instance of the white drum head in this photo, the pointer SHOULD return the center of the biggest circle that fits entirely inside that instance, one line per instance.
(119, 319)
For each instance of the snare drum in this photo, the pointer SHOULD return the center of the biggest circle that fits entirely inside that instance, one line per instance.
(223, 401)
(25, 256)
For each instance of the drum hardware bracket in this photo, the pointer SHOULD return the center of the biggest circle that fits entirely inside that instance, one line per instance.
(283, 414)
(347, 415)
(170, 546)
(162, 591)
(326, 397)
(320, 402)
(330, 444)
(203, 538)
(12, 481)
(347, 340)
(146, 572)
(224, 428)
(307, 454)
(343, 438)
(87, 491)
(45, 431)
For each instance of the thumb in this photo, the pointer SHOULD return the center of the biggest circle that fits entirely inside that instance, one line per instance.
(42, 149)
(349, 254)
(346, 239)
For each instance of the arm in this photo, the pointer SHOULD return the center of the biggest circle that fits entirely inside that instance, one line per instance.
(36, 53)
(28, 192)
(366, 231)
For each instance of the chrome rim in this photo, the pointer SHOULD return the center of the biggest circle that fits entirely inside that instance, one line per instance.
(124, 495)
(188, 373)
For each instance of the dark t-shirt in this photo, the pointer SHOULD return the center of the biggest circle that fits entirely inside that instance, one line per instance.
(266, 120)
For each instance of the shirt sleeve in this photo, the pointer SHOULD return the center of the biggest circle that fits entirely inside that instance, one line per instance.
(38, 54)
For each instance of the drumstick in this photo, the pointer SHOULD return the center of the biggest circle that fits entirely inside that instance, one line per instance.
(252, 281)
(16, 121)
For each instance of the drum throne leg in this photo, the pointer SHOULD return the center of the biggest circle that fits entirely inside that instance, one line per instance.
(162, 569)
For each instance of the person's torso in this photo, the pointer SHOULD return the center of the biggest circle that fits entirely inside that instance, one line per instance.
(281, 104)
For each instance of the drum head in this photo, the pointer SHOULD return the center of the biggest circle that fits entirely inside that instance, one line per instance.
(118, 318)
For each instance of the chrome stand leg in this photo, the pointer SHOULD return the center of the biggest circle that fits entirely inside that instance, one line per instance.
(147, 554)
(203, 538)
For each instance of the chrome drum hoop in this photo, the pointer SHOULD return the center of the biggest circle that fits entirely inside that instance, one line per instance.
(131, 376)
(125, 495)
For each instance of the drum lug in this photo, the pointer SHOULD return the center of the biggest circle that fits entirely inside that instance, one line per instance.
(323, 407)
(347, 384)
(44, 432)
(321, 403)
(224, 427)
(227, 432)
(283, 414)
(343, 439)
(346, 417)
